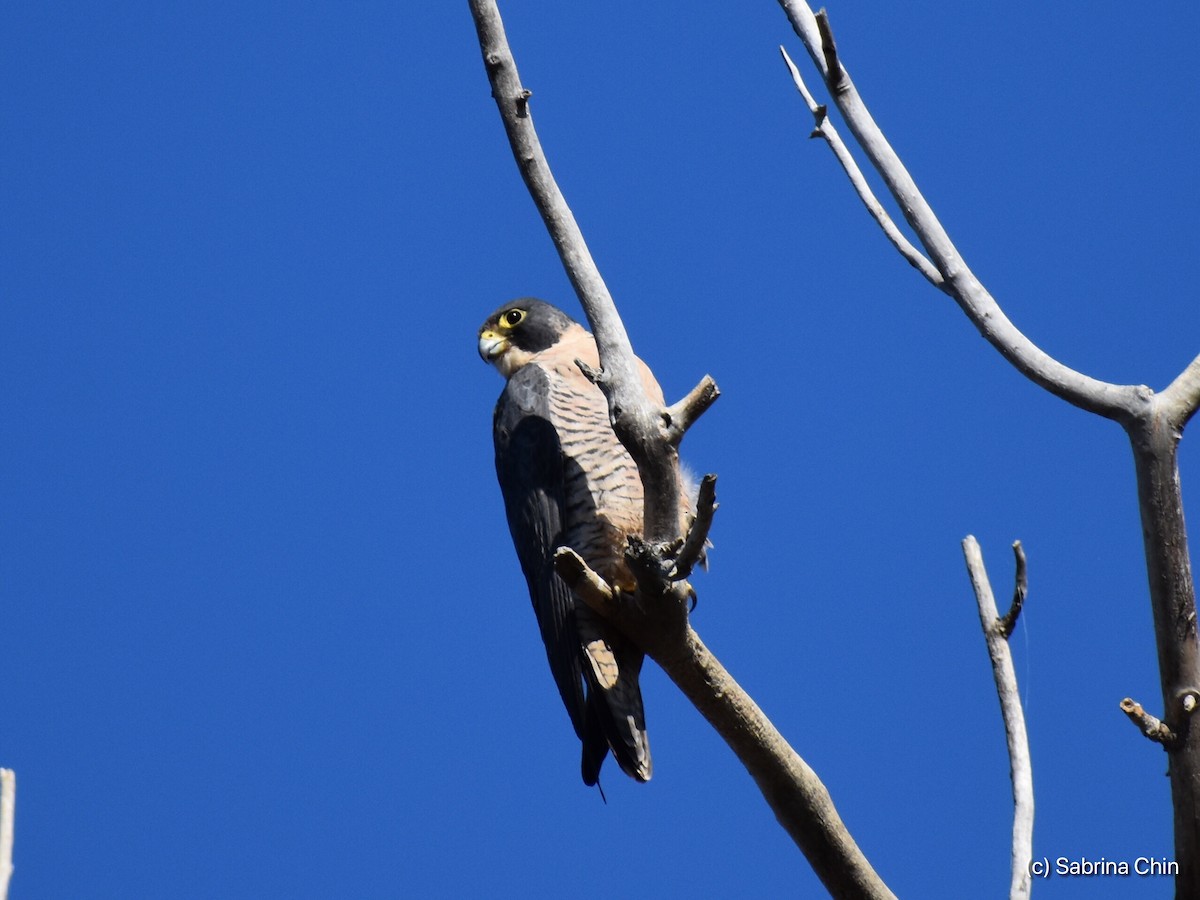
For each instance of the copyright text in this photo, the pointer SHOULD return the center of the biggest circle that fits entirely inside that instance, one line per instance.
(1081, 867)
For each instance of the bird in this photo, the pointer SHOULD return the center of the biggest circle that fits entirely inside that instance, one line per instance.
(567, 481)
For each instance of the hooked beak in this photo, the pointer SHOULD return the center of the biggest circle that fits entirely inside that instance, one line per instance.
(491, 345)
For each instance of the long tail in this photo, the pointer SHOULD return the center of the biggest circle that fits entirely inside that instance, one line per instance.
(615, 718)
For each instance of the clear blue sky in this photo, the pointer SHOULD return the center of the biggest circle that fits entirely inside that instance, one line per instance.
(262, 632)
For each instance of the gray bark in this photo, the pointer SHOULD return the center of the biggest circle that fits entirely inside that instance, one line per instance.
(996, 631)
(656, 617)
(1154, 423)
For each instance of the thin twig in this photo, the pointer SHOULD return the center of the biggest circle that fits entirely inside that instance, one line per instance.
(825, 129)
(8, 808)
(1120, 402)
(697, 536)
(1014, 720)
(1009, 621)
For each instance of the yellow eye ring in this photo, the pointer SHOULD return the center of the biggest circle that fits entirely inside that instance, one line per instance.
(511, 318)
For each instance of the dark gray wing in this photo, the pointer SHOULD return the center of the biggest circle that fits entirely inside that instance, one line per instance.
(530, 467)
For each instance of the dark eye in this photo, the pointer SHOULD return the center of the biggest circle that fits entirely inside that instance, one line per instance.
(513, 317)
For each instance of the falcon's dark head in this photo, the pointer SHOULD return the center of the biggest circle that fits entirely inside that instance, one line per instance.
(519, 329)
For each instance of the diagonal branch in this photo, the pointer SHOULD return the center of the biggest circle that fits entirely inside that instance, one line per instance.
(651, 434)
(1119, 402)
(826, 130)
(800, 801)
(637, 421)
(1010, 708)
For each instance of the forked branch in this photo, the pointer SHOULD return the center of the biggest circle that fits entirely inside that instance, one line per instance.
(1154, 423)
(1119, 402)
(996, 631)
(824, 128)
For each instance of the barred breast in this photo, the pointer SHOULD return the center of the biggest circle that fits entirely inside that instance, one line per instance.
(605, 501)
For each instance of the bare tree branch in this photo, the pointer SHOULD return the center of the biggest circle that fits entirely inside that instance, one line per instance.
(1010, 708)
(8, 808)
(825, 129)
(656, 616)
(794, 792)
(799, 800)
(638, 423)
(1154, 424)
(1112, 401)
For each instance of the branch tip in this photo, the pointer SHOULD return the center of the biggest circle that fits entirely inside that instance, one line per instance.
(1009, 621)
(681, 416)
(825, 129)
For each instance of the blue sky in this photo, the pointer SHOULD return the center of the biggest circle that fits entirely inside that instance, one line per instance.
(262, 632)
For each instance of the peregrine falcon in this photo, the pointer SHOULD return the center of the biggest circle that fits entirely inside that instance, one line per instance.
(567, 481)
